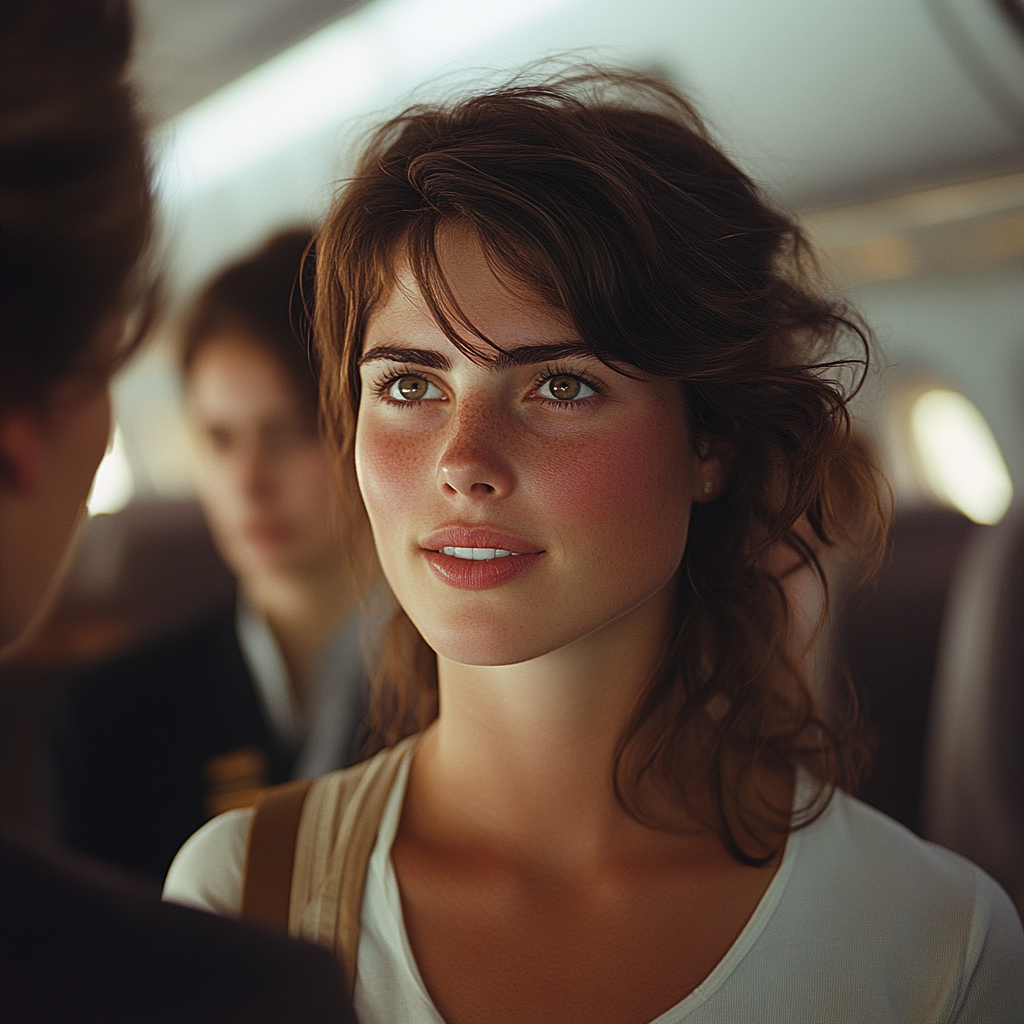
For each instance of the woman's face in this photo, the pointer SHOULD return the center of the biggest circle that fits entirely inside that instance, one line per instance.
(261, 471)
(584, 476)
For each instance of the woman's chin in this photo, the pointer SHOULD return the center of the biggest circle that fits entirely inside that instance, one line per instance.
(491, 644)
(488, 658)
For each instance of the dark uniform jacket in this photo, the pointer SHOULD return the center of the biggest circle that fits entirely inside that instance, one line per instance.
(78, 945)
(150, 745)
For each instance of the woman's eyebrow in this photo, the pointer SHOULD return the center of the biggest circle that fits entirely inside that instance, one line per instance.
(421, 356)
(526, 355)
(521, 355)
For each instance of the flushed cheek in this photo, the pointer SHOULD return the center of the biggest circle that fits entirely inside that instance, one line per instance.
(391, 466)
(623, 494)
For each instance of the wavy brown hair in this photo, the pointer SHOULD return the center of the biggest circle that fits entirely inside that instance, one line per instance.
(603, 193)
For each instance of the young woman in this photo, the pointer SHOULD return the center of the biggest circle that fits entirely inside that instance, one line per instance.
(596, 406)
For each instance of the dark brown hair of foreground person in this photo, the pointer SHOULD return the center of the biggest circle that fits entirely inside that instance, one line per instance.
(603, 193)
(75, 200)
(261, 299)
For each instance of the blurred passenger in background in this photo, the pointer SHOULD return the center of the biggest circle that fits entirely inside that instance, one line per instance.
(77, 943)
(160, 739)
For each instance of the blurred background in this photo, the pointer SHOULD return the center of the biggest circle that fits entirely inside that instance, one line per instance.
(895, 129)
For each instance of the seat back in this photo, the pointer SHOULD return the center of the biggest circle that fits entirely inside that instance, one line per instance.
(974, 766)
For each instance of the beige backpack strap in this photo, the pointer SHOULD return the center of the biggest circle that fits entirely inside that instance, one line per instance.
(266, 888)
(336, 837)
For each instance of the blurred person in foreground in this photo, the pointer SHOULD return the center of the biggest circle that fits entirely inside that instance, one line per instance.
(159, 739)
(79, 944)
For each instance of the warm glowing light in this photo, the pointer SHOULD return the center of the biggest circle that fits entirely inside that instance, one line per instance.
(961, 458)
(325, 78)
(113, 486)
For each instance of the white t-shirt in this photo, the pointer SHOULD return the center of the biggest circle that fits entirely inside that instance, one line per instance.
(863, 922)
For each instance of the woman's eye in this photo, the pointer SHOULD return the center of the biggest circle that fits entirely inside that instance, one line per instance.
(564, 388)
(412, 389)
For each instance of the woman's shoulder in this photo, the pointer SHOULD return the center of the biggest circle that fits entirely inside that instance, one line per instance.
(887, 902)
(878, 855)
(208, 872)
(209, 869)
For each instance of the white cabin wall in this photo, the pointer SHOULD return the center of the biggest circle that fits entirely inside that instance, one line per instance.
(969, 333)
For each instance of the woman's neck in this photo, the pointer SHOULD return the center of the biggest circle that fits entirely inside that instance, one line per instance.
(302, 611)
(521, 756)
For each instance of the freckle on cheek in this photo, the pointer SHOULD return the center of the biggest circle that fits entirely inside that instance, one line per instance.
(599, 483)
(389, 470)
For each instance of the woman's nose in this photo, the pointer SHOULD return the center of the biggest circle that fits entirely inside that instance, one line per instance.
(255, 479)
(474, 461)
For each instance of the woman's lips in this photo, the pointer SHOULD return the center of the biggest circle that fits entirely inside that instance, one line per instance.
(478, 558)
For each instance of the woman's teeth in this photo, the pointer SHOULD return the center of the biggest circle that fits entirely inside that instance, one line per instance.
(477, 554)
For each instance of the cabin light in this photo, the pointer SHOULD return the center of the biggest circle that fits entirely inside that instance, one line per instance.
(355, 61)
(113, 485)
(960, 457)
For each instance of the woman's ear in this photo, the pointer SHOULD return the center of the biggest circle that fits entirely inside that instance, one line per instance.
(21, 452)
(715, 457)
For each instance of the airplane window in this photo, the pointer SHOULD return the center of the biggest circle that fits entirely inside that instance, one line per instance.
(960, 457)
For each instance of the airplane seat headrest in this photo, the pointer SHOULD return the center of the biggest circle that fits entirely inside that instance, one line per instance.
(974, 772)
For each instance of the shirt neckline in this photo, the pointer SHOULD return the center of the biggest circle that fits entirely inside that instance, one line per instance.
(752, 931)
(322, 738)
